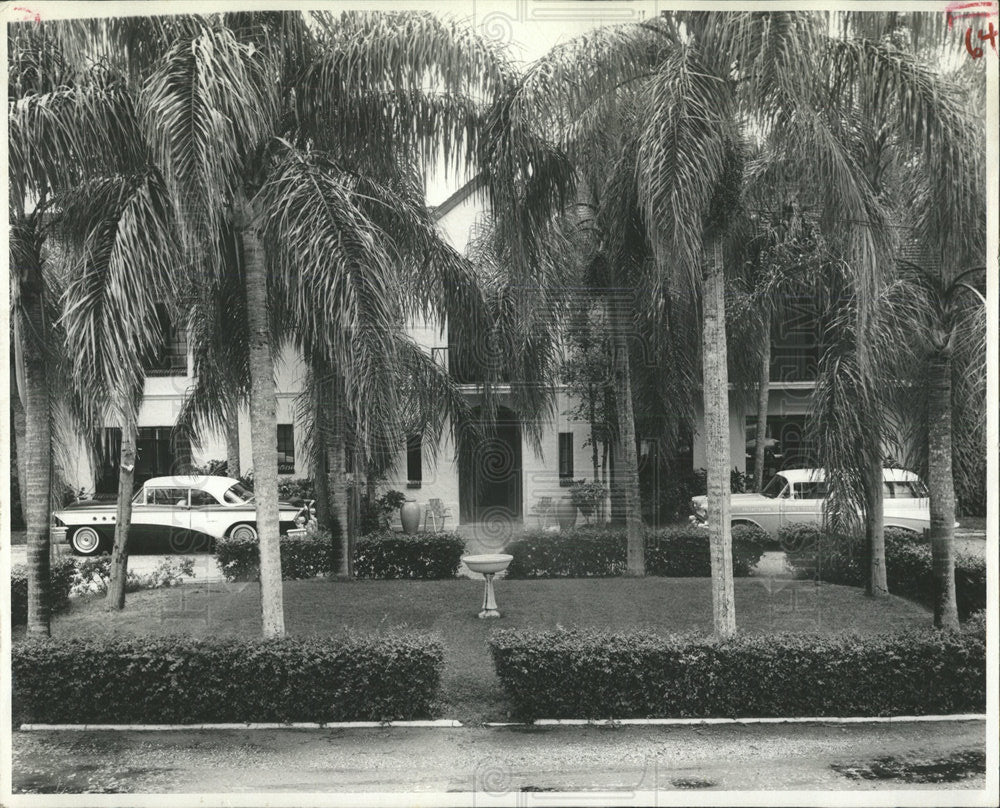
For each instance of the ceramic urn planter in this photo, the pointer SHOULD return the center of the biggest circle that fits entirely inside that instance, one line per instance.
(566, 512)
(409, 517)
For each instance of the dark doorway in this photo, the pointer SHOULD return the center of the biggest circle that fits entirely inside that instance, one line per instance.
(489, 470)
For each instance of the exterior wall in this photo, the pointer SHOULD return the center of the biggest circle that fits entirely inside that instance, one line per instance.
(539, 470)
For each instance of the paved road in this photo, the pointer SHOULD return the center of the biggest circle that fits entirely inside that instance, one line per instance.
(492, 762)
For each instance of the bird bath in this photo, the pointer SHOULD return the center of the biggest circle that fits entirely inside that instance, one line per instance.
(488, 566)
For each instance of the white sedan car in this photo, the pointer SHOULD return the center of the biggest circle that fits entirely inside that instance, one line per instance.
(182, 513)
(797, 495)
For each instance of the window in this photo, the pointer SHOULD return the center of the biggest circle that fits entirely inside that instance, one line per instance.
(810, 490)
(776, 488)
(155, 456)
(286, 449)
(171, 357)
(238, 494)
(414, 461)
(903, 489)
(172, 497)
(565, 458)
(200, 499)
(109, 449)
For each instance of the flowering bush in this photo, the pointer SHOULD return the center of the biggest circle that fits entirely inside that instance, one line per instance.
(93, 574)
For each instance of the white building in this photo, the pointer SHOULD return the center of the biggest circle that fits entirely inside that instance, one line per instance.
(500, 481)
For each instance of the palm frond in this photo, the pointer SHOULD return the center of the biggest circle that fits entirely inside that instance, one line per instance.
(207, 109)
(124, 252)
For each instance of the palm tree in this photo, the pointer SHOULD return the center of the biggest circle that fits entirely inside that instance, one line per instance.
(123, 257)
(917, 135)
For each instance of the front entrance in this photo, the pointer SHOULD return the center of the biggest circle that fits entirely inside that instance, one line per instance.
(489, 471)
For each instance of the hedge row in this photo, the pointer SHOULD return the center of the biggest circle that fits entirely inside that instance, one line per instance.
(588, 552)
(62, 573)
(301, 557)
(379, 555)
(397, 555)
(575, 674)
(908, 565)
(117, 680)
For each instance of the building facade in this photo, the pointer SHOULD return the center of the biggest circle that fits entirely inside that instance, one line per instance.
(500, 481)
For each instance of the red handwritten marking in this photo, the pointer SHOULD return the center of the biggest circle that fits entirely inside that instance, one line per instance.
(976, 52)
(28, 14)
(985, 8)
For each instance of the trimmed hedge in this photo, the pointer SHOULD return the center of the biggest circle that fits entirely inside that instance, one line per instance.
(118, 680)
(587, 552)
(62, 573)
(398, 555)
(573, 674)
(908, 566)
(301, 557)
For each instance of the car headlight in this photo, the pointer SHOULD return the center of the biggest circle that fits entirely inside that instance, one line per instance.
(57, 522)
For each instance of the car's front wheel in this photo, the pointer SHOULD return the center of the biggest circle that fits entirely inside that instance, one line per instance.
(85, 541)
(243, 532)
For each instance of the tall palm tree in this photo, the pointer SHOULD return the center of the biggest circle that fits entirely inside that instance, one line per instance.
(917, 135)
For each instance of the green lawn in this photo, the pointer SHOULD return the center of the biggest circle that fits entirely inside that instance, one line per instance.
(470, 691)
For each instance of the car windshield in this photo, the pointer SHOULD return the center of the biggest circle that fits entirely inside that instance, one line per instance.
(775, 487)
(238, 494)
(904, 489)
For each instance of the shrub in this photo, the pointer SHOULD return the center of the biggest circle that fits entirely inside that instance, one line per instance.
(684, 551)
(908, 565)
(93, 574)
(577, 553)
(556, 674)
(61, 575)
(376, 515)
(588, 497)
(396, 555)
(121, 680)
(296, 490)
(301, 557)
(589, 552)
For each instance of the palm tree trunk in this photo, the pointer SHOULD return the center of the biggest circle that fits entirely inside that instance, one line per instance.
(337, 465)
(763, 394)
(942, 490)
(263, 426)
(717, 455)
(321, 487)
(38, 456)
(592, 416)
(233, 440)
(626, 465)
(878, 585)
(19, 445)
(115, 599)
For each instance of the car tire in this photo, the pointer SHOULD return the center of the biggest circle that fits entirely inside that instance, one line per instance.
(243, 531)
(86, 541)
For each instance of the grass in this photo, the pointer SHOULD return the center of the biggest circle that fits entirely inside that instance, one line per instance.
(470, 691)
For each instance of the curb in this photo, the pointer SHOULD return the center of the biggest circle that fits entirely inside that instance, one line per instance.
(443, 723)
(671, 722)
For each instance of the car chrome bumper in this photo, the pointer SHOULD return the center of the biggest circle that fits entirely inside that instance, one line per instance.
(57, 535)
